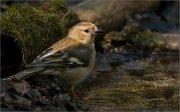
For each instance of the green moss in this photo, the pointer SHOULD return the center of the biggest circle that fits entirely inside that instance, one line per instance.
(58, 4)
(130, 29)
(54, 6)
(35, 28)
(141, 39)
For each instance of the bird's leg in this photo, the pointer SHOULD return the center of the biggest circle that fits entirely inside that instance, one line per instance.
(74, 94)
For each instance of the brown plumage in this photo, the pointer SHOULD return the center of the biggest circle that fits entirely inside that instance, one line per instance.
(70, 59)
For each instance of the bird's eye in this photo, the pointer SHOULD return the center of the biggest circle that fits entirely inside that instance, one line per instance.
(86, 30)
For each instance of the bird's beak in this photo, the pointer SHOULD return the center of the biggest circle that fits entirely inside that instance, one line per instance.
(97, 31)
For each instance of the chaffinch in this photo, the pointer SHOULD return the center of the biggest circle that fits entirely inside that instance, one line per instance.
(70, 59)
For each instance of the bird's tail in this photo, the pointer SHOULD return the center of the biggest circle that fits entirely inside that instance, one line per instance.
(25, 74)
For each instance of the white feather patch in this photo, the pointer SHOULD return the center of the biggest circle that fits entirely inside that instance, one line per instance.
(48, 54)
(74, 60)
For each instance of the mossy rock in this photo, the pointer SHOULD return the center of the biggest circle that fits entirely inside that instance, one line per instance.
(35, 28)
(134, 36)
(140, 38)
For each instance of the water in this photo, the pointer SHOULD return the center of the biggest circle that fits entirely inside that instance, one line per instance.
(144, 83)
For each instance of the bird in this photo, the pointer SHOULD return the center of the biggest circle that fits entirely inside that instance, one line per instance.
(70, 59)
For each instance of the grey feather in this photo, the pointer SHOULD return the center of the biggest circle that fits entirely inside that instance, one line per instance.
(25, 74)
(78, 56)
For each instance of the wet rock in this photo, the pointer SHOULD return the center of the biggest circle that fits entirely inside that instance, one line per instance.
(22, 87)
(112, 39)
(134, 36)
(34, 94)
(18, 95)
(170, 41)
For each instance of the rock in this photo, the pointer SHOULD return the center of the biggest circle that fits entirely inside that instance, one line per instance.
(146, 33)
(170, 41)
(111, 15)
(113, 39)
(27, 30)
(34, 94)
(157, 41)
(18, 95)
(22, 87)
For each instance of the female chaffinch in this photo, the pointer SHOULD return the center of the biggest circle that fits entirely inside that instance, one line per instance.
(70, 59)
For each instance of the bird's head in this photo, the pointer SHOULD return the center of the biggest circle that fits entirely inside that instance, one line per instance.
(84, 32)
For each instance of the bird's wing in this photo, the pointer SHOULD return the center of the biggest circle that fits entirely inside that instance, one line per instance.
(76, 56)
